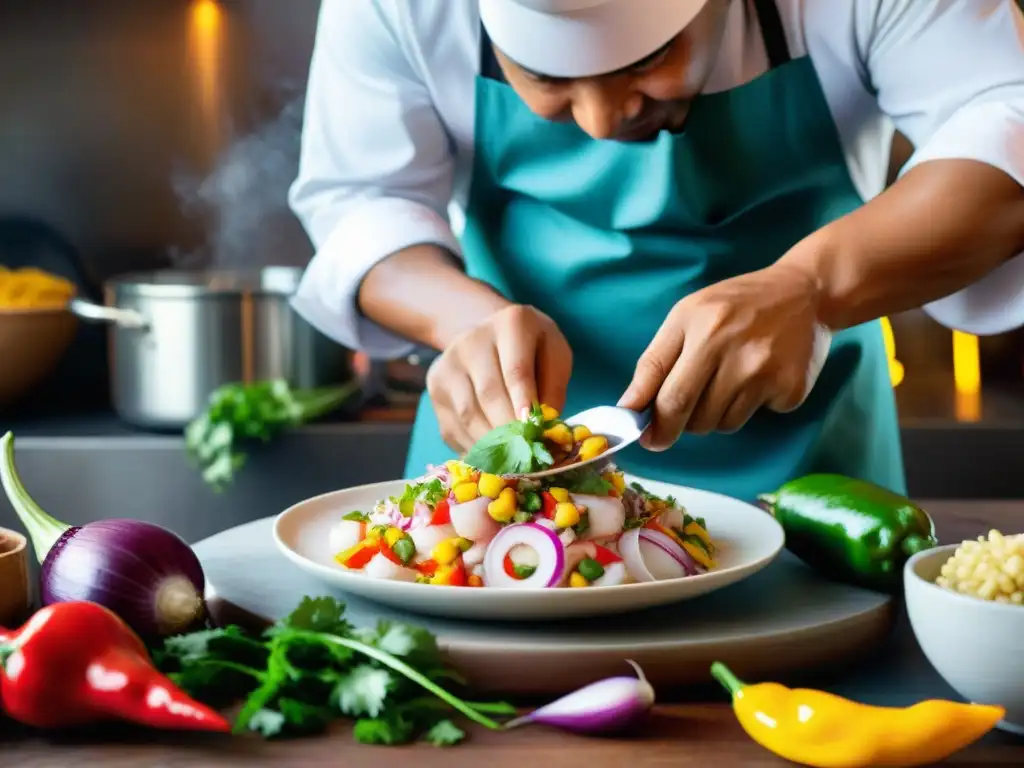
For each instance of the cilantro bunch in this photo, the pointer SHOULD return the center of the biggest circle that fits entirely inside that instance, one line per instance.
(246, 412)
(516, 448)
(313, 667)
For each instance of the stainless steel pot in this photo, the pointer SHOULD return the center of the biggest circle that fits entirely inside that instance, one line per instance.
(176, 336)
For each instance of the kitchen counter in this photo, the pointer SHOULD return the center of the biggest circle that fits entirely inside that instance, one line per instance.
(691, 728)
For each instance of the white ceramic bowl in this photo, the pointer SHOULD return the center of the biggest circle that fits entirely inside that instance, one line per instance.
(748, 539)
(974, 644)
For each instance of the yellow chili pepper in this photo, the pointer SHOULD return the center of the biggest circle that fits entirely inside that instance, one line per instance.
(826, 731)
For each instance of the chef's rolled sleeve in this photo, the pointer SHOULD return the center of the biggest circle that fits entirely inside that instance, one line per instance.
(375, 171)
(950, 73)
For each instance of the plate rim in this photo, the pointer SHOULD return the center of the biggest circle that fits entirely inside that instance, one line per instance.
(666, 585)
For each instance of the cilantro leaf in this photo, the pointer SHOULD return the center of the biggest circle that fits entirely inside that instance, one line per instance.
(445, 733)
(267, 722)
(356, 516)
(321, 614)
(388, 731)
(363, 691)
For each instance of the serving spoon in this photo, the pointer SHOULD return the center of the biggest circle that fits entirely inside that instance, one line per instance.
(621, 426)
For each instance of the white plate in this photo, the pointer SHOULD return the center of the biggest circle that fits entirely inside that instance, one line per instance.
(747, 538)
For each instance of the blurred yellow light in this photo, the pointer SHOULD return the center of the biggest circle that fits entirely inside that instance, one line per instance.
(966, 362)
(206, 15)
(967, 376)
(896, 370)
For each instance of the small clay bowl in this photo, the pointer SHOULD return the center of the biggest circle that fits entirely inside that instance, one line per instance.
(14, 585)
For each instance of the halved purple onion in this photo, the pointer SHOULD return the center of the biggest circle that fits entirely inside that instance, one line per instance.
(145, 574)
(542, 540)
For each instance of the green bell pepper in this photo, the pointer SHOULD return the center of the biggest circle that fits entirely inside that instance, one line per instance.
(851, 530)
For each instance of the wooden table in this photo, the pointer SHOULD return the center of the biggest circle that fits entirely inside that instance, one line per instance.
(677, 734)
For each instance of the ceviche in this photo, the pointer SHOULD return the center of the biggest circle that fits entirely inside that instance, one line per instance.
(458, 526)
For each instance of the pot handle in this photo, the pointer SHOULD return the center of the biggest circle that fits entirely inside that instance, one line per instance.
(122, 318)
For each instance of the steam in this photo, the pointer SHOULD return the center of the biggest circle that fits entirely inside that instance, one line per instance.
(244, 200)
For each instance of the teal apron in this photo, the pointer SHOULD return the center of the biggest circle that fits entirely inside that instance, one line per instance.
(605, 237)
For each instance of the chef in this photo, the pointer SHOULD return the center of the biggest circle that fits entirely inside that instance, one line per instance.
(675, 203)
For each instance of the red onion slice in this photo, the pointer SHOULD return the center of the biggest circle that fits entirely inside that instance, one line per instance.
(652, 556)
(550, 557)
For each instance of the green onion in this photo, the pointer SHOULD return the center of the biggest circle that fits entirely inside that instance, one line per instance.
(590, 569)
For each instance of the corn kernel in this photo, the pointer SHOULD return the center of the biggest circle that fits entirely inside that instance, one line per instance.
(466, 492)
(618, 481)
(559, 434)
(576, 580)
(580, 433)
(503, 508)
(373, 536)
(393, 536)
(548, 413)
(490, 485)
(559, 494)
(475, 581)
(446, 552)
(566, 515)
(593, 447)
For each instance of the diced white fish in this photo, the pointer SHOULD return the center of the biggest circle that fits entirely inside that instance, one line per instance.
(426, 537)
(380, 567)
(567, 536)
(472, 521)
(344, 534)
(605, 515)
(474, 556)
(672, 518)
(614, 575)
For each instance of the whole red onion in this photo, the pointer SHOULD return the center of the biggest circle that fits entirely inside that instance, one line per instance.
(146, 574)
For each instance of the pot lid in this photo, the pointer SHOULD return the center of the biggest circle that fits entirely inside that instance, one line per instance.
(182, 283)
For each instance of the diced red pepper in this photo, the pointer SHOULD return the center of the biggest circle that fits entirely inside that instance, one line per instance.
(363, 555)
(427, 567)
(613, 493)
(458, 577)
(605, 556)
(441, 515)
(389, 553)
(510, 567)
(548, 510)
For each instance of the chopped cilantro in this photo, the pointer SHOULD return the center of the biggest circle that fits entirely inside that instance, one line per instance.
(356, 516)
(515, 448)
(429, 491)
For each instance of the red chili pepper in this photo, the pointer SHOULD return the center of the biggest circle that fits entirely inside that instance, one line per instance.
(441, 515)
(548, 510)
(77, 663)
(605, 556)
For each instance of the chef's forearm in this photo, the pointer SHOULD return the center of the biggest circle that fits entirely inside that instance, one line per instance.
(943, 226)
(422, 293)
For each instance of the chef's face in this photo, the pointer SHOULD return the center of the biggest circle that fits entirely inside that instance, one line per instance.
(635, 103)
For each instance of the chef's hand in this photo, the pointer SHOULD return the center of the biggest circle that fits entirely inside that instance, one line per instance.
(726, 351)
(491, 373)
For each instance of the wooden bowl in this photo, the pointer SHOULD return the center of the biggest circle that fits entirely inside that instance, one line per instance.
(32, 343)
(15, 598)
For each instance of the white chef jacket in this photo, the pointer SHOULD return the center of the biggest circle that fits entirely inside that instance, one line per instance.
(387, 145)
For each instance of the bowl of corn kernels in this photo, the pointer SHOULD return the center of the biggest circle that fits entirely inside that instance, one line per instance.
(966, 607)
